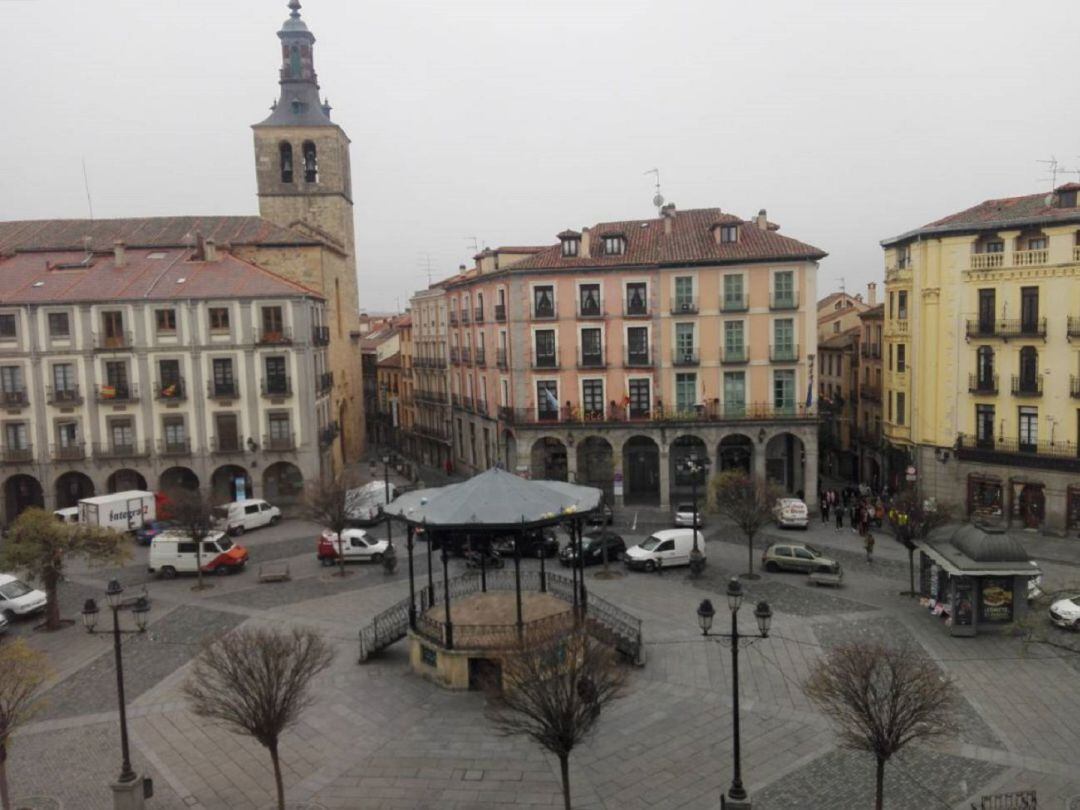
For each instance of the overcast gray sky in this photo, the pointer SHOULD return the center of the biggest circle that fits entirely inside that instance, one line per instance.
(509, 120)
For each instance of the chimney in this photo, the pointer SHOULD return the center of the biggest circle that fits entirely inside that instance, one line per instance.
(585, 241)
(871, 293)
(118, 253)
(762, 220)
(200, 247)
(210, 250)
(667, 212)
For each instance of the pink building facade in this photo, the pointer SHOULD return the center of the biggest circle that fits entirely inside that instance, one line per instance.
(610, 357)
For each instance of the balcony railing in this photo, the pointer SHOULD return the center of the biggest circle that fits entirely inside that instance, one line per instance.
(279, 443)
(543, 313)
(76, 451)
(275, 337)
(734, 303)
(591, 359)
(684, 306)
(172, 391)
(590, 310)
(1030, 258)
(478, 315)
(481, 356)
(897, 326)
(987, 261)
(466, 354)
(500, 312)
(1014, 453)
(438, 433)
(1074, 387)
(684, 357)
(436, 397)
(320, 335)
(1073, 326)
(467, 403)
(1017, 327)
(63, 396)
(640, 358)
(1076, 253)
(785, 300)
(277, 386)
(1023, 386)
(870, 393)
(983, 384)
(14, 398)
(635, 308)
(734, 354)
(103, 342)
(500, 358)
(222, 390)
(134, 449)
(119, 393)
(784, 352)
(453, 317)
(227, 446)
(328, 434)
(871, 351)
(455, 355)
(545, 360)
(174, 447)
(324, 383)
(616, 414)
(18, 455)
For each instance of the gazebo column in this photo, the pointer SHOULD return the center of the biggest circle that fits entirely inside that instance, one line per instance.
(665, 478)
(543, 570)
(579, 565)
(412, 584)
(430, 568)
(581, 556)
(446, 598)
(517, 580)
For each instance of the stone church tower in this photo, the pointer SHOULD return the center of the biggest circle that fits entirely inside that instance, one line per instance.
(305, 184)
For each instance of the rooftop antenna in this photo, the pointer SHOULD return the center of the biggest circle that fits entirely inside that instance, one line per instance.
(425, 262)
(474, 242)
(1054, 168)
(843, 288)
(86, 185)
(658, 198)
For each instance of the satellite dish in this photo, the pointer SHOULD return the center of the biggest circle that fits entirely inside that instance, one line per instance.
(658, 200)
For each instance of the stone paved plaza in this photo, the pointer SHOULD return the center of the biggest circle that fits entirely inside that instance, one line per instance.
(381, 737)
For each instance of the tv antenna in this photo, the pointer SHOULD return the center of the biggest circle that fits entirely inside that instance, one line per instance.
(472, 240)
(658, 198)
(1054, 168)
(424, 261)
(86, 185)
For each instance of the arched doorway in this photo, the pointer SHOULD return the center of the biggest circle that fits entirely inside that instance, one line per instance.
(20, 493)
(178, 478)
(283, 483)
(784, 460)
(595, 465)
(231, 483)
(1031, 505)
(72, 487)
(123, 480)
(735, 452)
(549, 459)
(682, 479)
(641, 470)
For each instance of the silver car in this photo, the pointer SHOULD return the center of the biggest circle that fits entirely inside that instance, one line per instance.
(684, 515)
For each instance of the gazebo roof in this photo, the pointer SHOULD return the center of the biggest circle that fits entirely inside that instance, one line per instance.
(972, 551)
(495, 499)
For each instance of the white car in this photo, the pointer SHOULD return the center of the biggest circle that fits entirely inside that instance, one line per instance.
(19, 599)
(684, 515)
(791, 512)
(356, 546)
(3, 624)
(243, 516)
(1066, 612)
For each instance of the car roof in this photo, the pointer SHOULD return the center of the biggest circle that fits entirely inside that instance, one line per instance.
(6, 578)
(667, 534)
(180, 534)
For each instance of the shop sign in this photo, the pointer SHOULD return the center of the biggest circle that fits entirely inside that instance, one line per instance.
(1023, 800)
(934, 579)
(910, 472)
(996, 599)
(963, 601)
(618, 484)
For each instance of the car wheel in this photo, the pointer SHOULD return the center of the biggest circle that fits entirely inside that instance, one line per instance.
(772, 567)
(168, 572)
(221, 570)
(376, 558)
(326, 562)
(275, 520)
(237, 531)
(650, 565)
(1076, 625)
(9, 615)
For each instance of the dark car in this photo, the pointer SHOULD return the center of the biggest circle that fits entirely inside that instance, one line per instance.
(536, 543)
(592, 548)
(605, 516)
(148, 531)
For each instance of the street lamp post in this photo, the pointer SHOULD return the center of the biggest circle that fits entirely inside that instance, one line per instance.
(386, 475)
(695, 467)
(124, 793)
(737, 797)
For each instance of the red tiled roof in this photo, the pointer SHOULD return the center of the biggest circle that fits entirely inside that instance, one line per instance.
(391, 361)
(149, 232)
(874, 313)
(1031, 209)
(690, 240)
(34, 278)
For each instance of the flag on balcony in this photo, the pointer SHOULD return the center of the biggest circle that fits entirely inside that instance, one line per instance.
(549, 399)
(108, 392)
(810, 386)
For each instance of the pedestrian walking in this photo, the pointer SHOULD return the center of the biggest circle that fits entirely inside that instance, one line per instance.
(825, 510)
(869, 548)
(839, 518)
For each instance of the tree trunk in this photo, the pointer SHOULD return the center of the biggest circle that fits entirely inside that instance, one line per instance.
(277, 776)
(564, 766)
(51, 580)
(341, 554)
(911, 569)
(5, 797)
(750, 552)
(879, 794)
(198, 563)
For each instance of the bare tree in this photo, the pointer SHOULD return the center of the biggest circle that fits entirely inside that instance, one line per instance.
(194, 514)
(913, 518)
(22, 671)
(328, 503)
(747, 503)
(257, 682)
(881, 698)
(39, 545)
(554, 692)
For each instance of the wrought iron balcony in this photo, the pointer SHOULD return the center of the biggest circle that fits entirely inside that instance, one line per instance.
(637, 358)
(983, 384)
(324, 383)
(453, 317)
(226, 446)
(75, 451)
(1027, 386)
(591, 359)
(277, 386)
(871, 351)
(500, 312)
(466, 355)
(543, 312)
(1073, 326)
(275, 337)
(1074, 387)
(734, 303)
(320, 335)
(684, 306)
(118, 394)
(18, 455)
(500, 358)
(545, 360)
(478, 315)
(785, 300)
(174, 447)
(869, 393)
(1015, 453)
(124, 340)
(279, 443)
(222, 390)
(734, 354)
(172, 391)
(328, 434)
(455, 355)
(635, 308)
(590, 309)
(13, 398)
(481, 358)
(62, 397)
(784, 352)
(133, 449)
(684, 357)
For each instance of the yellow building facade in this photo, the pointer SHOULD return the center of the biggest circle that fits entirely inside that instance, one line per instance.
(982, 359)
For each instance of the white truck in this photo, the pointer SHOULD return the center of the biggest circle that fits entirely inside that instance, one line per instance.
(122, 511)
(365, 504)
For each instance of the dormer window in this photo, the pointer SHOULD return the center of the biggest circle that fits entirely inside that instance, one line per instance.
(729, 233)
(614, 245)
(570, 247)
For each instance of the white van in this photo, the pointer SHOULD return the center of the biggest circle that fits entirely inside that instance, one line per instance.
(122, 511)
(665, 549)
(241, 516)
(68, 515)
(173, 553)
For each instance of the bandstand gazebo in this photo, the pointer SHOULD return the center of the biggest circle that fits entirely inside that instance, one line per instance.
(460, 627)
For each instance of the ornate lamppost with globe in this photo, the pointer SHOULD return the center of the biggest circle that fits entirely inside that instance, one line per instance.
(695, 467)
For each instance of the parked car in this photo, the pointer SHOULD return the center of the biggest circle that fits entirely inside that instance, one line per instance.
(797, 557)
(684, 515)
(242, 516)
(356, 546)
(592, 549)
(484, 556)
(174, 552)
(536, 543)
(3, 623)
(19, 599)
(666, 549)
(791, 512)
(604, 516)
(150, 530)
(1066, 612)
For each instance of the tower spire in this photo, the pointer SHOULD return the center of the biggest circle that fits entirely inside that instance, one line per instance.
(298, 104)
(295, 6)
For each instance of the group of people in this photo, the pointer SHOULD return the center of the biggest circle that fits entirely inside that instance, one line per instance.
(862, 509)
